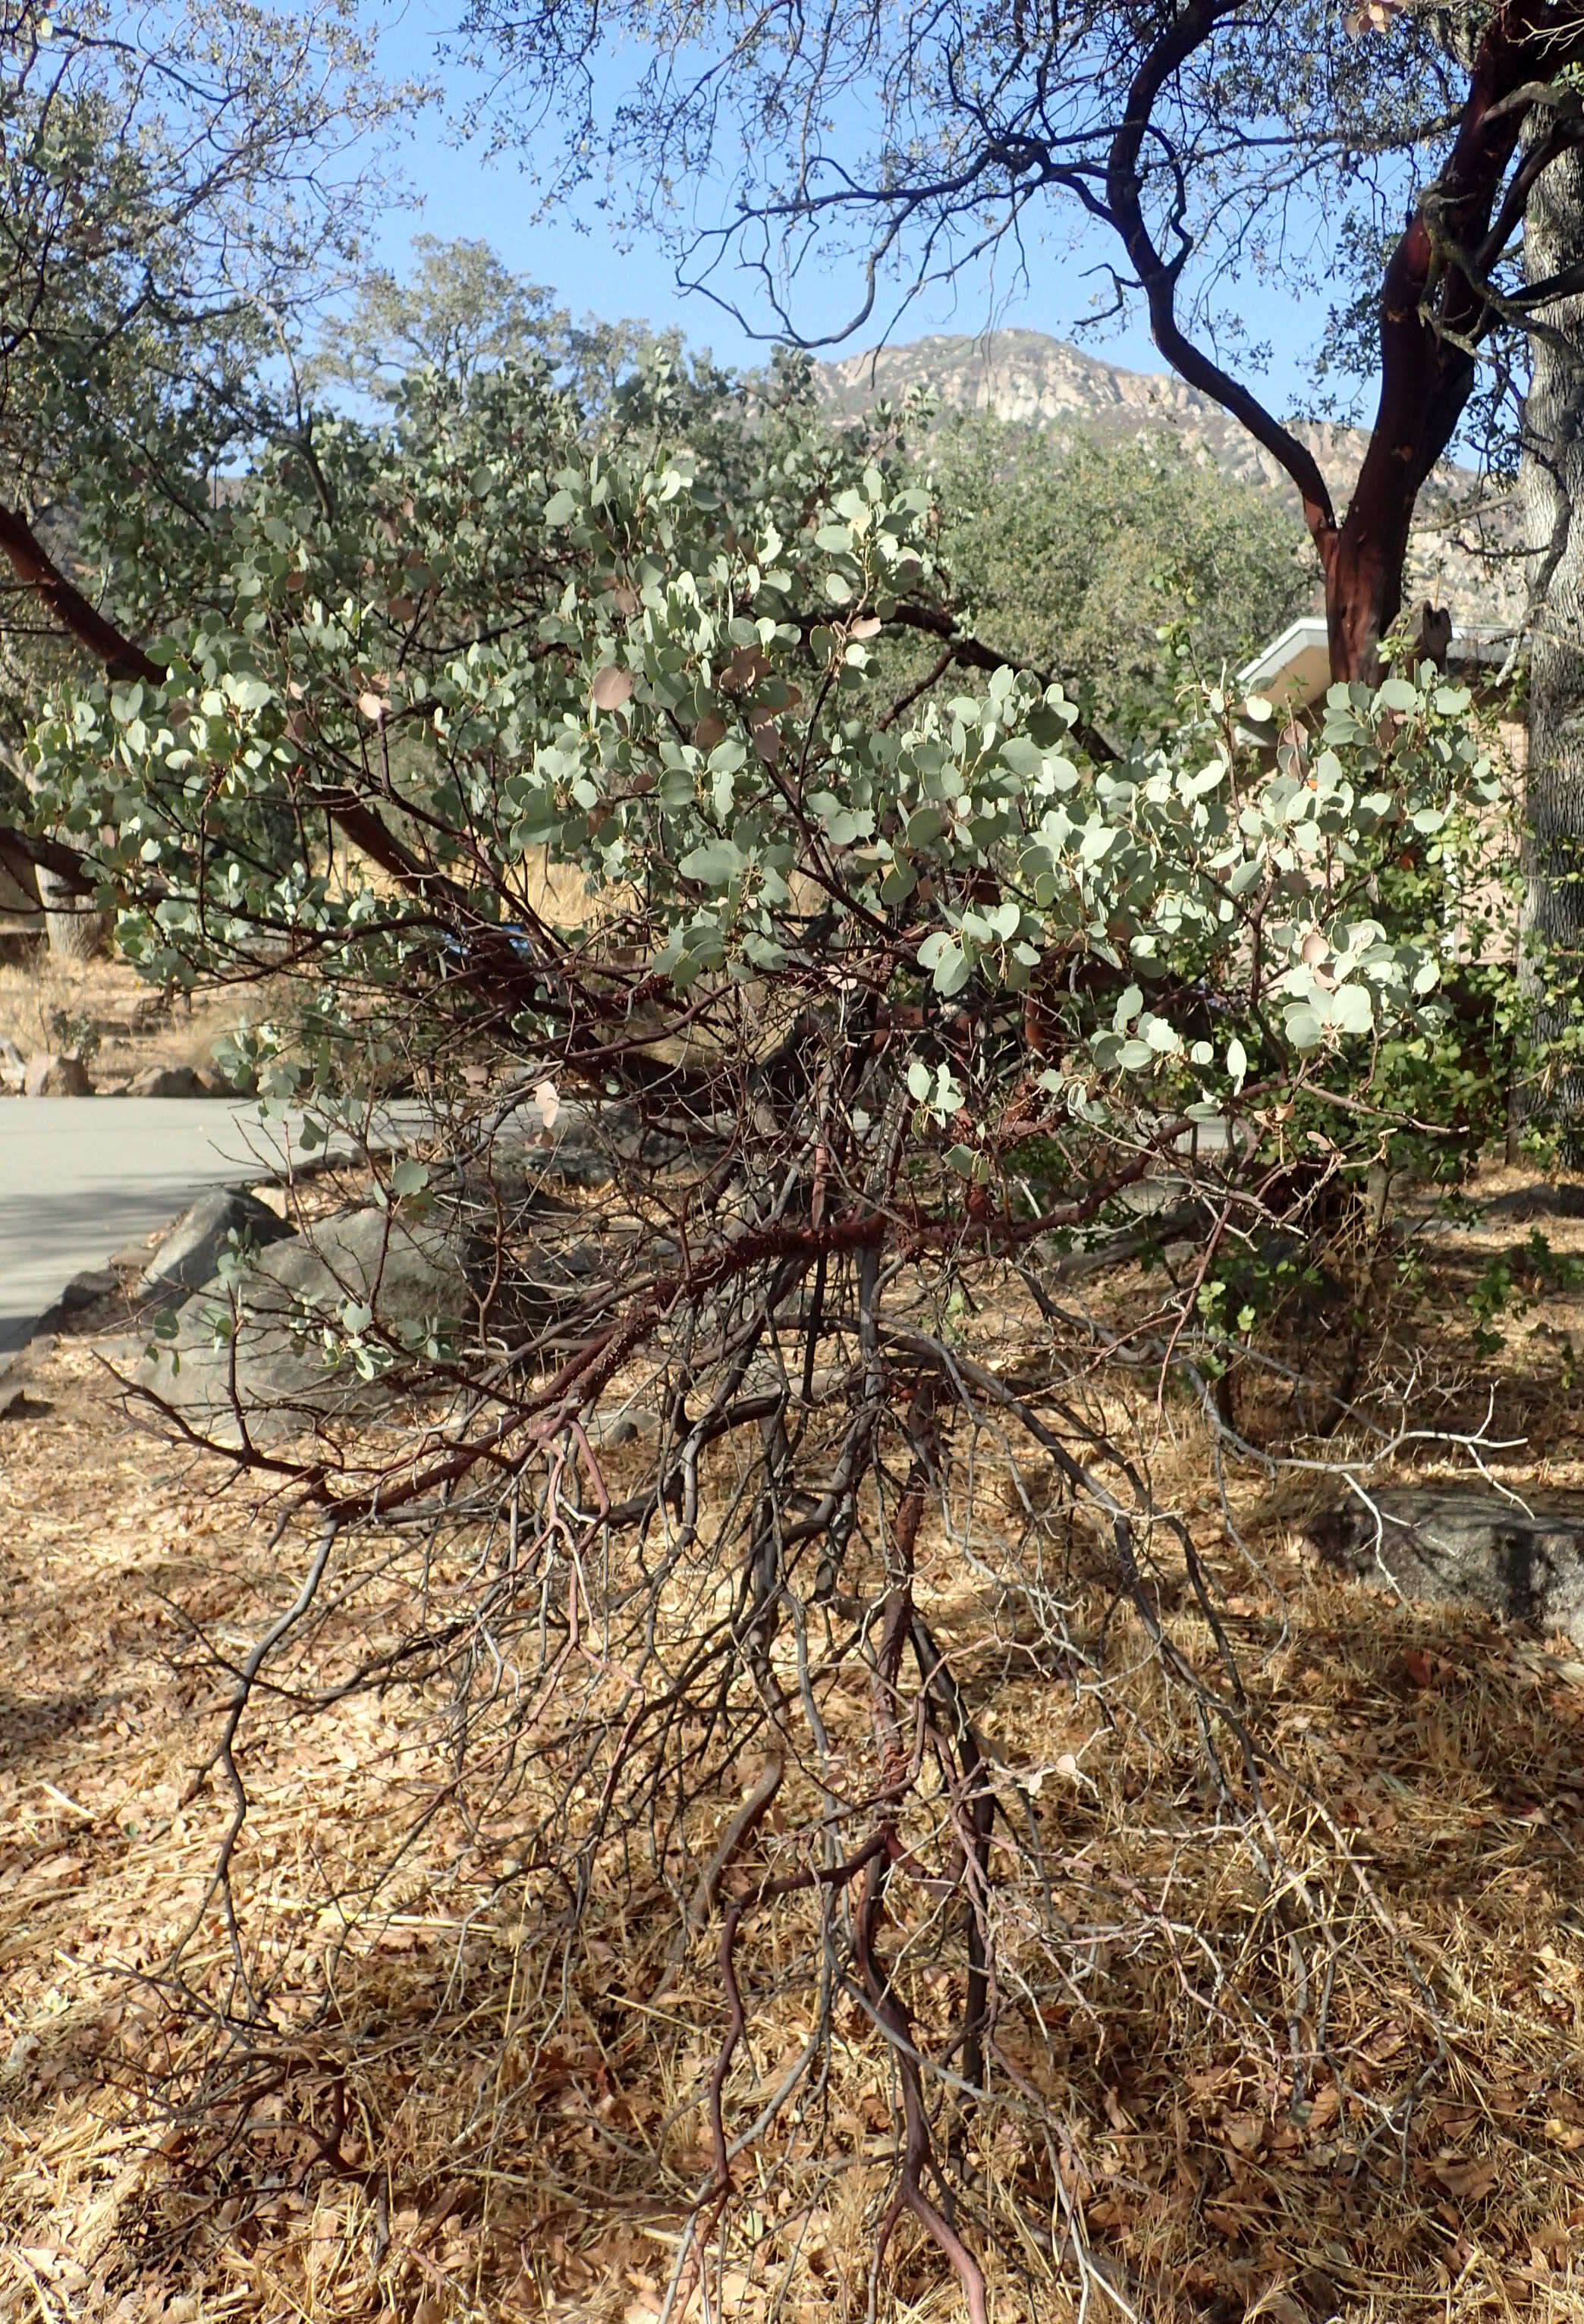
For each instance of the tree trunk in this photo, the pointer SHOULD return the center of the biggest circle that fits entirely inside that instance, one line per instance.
(1364, 582)
(1553, 509)
(76, 931)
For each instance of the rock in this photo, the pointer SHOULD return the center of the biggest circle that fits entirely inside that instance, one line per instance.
(87, 1290)
(1452, 1542)
(12, 1066)
(586, 1145)
(409, 1272)
(571, 1153)
(24, 2048)
(190, 1253)
(19, 1397)
(544, 1281)
(172, 1080)
(1565, 1200)
(606, 1431)
(56, 1074)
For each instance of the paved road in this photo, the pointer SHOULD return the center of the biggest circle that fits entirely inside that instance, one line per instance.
(81, 1177)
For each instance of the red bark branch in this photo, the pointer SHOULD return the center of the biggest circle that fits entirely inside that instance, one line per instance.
(21, 850)
(32, 563)
(122, 658)
(1431, 314)
(1158, 275)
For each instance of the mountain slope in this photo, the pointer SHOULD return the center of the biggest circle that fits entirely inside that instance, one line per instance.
(1465, 549)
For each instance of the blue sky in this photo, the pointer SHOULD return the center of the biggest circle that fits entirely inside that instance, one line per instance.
(462, 192)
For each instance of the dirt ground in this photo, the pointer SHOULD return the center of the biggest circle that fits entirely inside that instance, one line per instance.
(448, 2146)
(102, 1011)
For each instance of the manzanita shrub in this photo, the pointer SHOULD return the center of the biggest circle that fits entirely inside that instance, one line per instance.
(618, 810)
(496, 659)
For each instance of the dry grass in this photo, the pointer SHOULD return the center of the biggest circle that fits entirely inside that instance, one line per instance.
(514, 2146)
(102, 1007)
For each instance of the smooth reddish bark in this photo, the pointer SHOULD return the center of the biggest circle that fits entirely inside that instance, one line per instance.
(35, 567)
(1432, 309)
(122, 658)
(1431, 317)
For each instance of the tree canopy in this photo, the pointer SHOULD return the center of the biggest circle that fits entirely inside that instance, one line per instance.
(1187, 138)
(1100, 560)
(459, 310)
(179, 193)
(175, 193)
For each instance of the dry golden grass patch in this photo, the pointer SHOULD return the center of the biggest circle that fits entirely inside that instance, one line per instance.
(104, 1007)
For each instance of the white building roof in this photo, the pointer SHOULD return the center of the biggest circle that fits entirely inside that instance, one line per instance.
(1295, 669)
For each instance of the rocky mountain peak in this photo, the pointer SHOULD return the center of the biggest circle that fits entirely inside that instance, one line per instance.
(1464, 551)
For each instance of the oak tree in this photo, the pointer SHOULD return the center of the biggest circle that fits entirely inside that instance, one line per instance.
(1178, 139)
